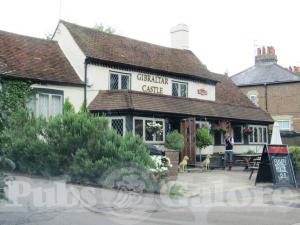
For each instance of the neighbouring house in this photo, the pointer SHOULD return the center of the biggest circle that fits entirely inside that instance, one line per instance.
(150, 90)
(275, 90)
(43, 63)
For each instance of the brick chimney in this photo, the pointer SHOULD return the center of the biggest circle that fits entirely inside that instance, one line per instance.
(266, 55)
(180, 36)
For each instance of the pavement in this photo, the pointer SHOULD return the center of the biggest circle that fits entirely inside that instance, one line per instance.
(214, 198)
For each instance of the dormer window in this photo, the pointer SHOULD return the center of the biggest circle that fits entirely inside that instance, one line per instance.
(119, 81)
(179, 89)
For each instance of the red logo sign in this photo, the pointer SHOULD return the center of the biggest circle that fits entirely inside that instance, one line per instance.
(202, 91)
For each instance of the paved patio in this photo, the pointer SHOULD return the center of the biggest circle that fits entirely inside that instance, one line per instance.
(215, 198)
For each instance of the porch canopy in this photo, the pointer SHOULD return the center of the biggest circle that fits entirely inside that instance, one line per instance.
(108, 101)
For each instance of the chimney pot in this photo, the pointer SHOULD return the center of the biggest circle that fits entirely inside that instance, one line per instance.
(263, 50)
(258, 51)
(180, 36)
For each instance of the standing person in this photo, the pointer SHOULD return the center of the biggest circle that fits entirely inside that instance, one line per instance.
(228, 150)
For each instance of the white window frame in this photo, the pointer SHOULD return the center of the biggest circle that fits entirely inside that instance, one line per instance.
(258, 142)
(256, 99)
(144, 128)
(50, 113)
(242, 128)
(118, 118)
(120, 74)
(285, 129)
(179, 86)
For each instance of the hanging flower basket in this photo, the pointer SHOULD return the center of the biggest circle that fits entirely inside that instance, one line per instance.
(248, 131)
(221, 125)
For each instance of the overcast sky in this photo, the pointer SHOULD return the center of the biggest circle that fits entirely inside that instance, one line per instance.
(222, 32)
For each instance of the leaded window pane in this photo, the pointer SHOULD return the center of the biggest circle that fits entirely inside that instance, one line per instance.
(43, 105)
(124, 82)
(175, 89)
(114, 81)
(183, 91)
(139, 128)
(118, 125)
(56, 105)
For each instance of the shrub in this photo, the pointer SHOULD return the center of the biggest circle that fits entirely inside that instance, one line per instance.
(79, 144)
(295, 154)
(203, 137)
(68, 107)
(175, 141)
(107, 151)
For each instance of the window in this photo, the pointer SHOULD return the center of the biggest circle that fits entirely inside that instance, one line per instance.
(45, 104)
(259, 135)
(238, 134)
(118, 124)
(119, 81)
(150, 129)
(284, 124)
(254, 99)
(179, 89)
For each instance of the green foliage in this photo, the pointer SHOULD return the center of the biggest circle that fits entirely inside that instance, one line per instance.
(295, 154)
(68, 107)
(5, 164)
(102, 28)
(175, 191)
(175, 141)
(203, 138)
(13, 96)
(78, 144)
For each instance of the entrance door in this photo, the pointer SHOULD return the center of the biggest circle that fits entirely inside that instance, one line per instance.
(188, 130)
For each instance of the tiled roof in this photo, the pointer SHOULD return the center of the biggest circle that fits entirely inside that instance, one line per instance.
(36, 59)
(131, 100)
(264, 73)
(131, 52)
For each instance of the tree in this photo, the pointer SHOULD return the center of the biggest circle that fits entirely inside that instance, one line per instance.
(102, 28)
(203, 138)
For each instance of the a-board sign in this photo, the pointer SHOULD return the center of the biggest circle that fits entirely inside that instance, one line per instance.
(276, 166)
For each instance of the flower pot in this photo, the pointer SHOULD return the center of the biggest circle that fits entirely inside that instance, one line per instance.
(174, 158)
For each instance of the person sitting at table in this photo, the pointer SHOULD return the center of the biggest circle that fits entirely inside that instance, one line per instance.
(228, 156)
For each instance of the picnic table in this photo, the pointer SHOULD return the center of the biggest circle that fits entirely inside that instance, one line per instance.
(250, 160)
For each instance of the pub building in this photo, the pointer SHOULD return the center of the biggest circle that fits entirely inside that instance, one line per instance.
(142, 86)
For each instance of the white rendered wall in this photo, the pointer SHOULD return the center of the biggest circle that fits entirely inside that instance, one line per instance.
(98, 79)
(70, 49)
(75, 94)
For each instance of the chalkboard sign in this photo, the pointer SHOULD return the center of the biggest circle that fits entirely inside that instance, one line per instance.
(276, 166)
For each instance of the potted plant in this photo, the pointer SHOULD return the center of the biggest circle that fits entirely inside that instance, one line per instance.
(203, 138)
(174, 144)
